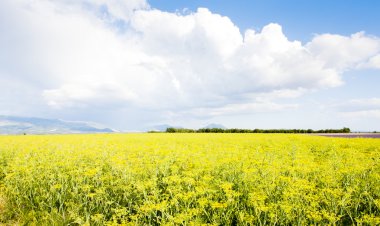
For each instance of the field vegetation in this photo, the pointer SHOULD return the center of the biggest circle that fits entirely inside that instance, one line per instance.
(189, 179)
(236, 130)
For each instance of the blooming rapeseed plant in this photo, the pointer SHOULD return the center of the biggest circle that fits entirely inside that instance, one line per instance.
(189, 179)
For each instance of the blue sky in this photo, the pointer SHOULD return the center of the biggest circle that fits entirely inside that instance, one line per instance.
(300, 19)
(133, 64)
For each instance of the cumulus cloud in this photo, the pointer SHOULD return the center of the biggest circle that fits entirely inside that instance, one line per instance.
(124, 54)
(373, 62)
(343, 53)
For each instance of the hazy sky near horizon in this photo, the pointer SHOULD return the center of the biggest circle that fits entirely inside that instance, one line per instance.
(132, 64)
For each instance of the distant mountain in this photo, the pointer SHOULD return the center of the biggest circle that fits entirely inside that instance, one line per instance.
(21, 125)
(214, 126)
(161, 127)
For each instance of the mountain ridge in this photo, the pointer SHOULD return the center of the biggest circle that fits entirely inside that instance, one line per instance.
(35, 125)
(214, 126)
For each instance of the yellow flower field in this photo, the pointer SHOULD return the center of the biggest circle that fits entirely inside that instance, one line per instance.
(189, 179)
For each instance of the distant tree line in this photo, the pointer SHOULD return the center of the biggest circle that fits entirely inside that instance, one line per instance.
(219, 130)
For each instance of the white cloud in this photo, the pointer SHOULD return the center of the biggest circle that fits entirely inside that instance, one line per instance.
(108, 10)
(343, 53)
(373, 62)
(120, 9)
(362, 114)
(123, 54)
(358, 110)
(238, 109)
(279, 94)
(198, 33)
(359, 105)
(80, 96)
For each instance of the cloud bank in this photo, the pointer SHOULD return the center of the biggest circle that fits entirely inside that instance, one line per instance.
(364, 107)
(121, 55)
